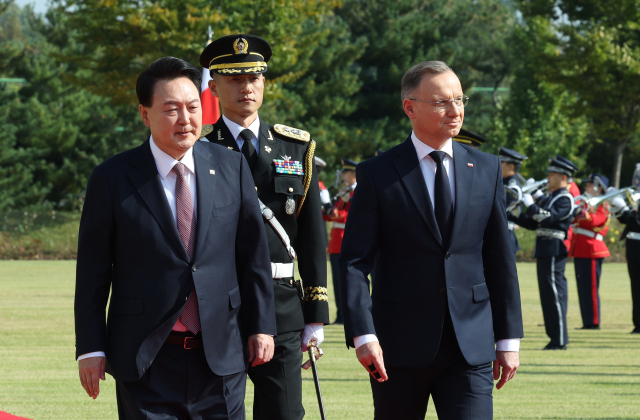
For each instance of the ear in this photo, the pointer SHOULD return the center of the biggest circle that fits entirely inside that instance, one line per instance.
(144, 114)
(408, 106)
(213, 87)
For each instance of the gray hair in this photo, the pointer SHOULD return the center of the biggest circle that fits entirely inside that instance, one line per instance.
(412, 78)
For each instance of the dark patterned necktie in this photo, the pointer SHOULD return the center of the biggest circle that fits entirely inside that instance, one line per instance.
(443, 205)
(190, 316)
(248, 150)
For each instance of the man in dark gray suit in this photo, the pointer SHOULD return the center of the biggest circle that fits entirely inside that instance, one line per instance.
(429, 215)
(173, 230)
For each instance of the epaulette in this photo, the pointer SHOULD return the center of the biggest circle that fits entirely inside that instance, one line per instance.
(206, 129)
(291, 132)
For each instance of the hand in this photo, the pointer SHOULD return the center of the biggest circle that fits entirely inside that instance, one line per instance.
(314, 330)
(515, 212)
(527, 200)
(529, 181)
(260, 349)
(370, 356)
(91, 370)
(509, 360)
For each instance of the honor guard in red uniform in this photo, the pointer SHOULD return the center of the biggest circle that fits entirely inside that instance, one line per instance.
(589, 250)
(337, 214)
(325, 198)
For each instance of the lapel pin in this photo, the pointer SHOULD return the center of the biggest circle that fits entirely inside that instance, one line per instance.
(229, 147)
(212, 171)
(470, 165)
(267, 149)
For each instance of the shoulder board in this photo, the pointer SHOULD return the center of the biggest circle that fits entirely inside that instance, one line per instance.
(206, 129)
(291, 132)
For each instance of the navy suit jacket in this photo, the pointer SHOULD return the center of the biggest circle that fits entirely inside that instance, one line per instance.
(392, 231)
(129, 245)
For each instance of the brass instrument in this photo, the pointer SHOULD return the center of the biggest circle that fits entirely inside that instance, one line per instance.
(588, 202)
(633, 197)
(518, 192)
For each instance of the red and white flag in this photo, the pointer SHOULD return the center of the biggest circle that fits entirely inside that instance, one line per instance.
(210, 106)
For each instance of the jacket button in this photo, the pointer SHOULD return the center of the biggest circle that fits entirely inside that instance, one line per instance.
(290, 281)
(290, 189)
(443, 290)
(256, 188)
(186, 298)
(193, 268)
(447, 256)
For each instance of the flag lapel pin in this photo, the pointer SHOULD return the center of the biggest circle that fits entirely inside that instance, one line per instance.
(212, 171)
(470, 165)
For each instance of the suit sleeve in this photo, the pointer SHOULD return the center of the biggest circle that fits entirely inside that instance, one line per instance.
(359, 248)
(253, 264)
(94, 266)
(312, 257)
(500, 271)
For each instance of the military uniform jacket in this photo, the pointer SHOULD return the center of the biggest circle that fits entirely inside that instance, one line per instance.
(632, 221)
(509, 199)
(553, 211)
(340, 216)
(305, 227)
(583, 246)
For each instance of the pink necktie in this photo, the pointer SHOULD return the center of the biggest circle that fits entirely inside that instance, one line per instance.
(190, 316)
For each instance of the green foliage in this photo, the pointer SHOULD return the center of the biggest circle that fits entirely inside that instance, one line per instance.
(592, 49)
(55, 133)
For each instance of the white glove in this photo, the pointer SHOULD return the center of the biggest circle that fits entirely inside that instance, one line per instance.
(324, 197)
(529, 181)
(537, 194)
(619, 202)
(527, 200)
(312, 331)
(516, 211)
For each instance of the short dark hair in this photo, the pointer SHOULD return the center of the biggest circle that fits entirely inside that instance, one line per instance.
(412, 78)
(165, 68)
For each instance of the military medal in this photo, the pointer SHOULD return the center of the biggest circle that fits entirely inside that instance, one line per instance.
(290, 167)
(290, 205)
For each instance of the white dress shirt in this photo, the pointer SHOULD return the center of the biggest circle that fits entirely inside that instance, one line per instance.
(236, 129)
(428, 167)
(165, 164)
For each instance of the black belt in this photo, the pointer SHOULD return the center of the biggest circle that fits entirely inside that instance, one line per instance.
(187, 342)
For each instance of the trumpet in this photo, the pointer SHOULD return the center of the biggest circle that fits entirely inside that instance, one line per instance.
(588, 202)
(518, 192)
(633, 196)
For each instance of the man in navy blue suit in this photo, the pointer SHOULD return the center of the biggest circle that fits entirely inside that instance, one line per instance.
(429, 215)
(172, 236)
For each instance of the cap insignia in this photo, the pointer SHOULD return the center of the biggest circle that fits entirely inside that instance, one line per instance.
(294, 133)
(206, 129)
(241, 46)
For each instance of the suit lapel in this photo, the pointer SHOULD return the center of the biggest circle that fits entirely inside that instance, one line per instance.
(268, 149)
(145, 177)
(408, 168)
(207, 172)
(464, 184)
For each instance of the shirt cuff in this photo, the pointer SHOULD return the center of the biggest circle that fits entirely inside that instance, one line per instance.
(94, 354)
(364, 339)
(510, 344)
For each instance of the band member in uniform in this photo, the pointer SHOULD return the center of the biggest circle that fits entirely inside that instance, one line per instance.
(325, 198)
(589, 250)
(573, 189)
(470, 138)
(511, 161)
(337, 214)
(550, 216)
(281, 159)
(631, 218)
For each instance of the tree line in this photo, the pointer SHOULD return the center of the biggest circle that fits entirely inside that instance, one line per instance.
(562, 77)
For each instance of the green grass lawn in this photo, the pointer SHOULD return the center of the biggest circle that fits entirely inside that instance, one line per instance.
(597, 378)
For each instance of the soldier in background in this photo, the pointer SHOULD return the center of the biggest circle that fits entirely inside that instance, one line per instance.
(470, 138)
(337, 214)
(589, 251)
(325, 198)
(631, 218)
(281, 160)
(511, 161)
(573, 189)
(550, 216)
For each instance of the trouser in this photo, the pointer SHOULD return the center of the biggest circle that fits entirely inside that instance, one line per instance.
(335, 273)
(633, 265)
(179, 385)
(553, 297)
(278, 383)
(459, 391)
(588, 271)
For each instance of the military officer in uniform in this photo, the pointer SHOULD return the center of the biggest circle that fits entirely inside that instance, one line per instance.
(550, 216)
(589, 250)
(470, 138)
(631, 218)
(511, 161)
(282, 163)
(337, 214)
